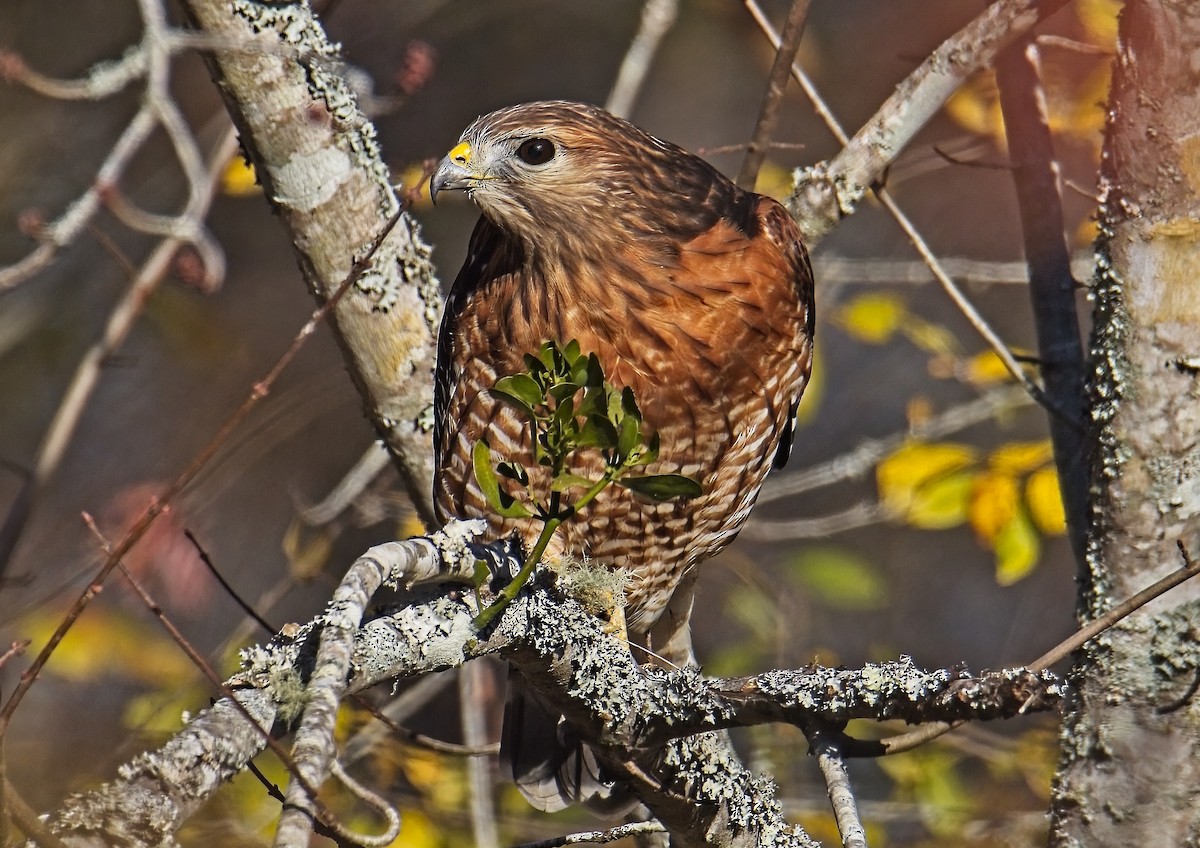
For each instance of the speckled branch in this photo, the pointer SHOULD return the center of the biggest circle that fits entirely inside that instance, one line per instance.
(648, 725)
(320, 165)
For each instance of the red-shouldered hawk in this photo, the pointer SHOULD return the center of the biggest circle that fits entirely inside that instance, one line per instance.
(694, 293)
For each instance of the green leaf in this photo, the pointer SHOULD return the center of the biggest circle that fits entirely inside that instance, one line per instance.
(629, 405)
(629, 436)
(564, 414)
(590, 403)
(650, 453)
(662, 487)
(566, 480)
(485, 475)
(597, 432)
(534, 365)
(522, 388)
(562, 391)
(551, 357)
(839, 578)
(595, 372)
(571, 351)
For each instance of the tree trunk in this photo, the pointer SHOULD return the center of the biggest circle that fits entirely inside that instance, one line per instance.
(1130, 769)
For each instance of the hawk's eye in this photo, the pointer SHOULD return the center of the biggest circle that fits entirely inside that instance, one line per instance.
(536, 151)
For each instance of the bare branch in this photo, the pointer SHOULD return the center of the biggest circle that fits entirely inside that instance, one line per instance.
(313, 748)
(157, 505)
(598, 837)
(863, 459)
(628, 712)
(833, 768)
(471, 679)
(83, 382)
(827, 192)
(658, 16)
(816, 527)
(768, 114)
(372, 462)
(847, 270)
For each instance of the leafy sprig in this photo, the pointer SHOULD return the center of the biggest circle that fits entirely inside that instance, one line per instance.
(568, 407)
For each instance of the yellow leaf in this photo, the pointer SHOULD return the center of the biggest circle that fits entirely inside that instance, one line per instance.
(941, 503)
(902, 477)
(986, 368)
(1080, 111)
(873, 318)
(418, 831)
(1021, 457)
(1099, 19)
(1086, 233)
(239, 179)
(414, 178)
(774, 180)
(106, 642)
(1044, 498)
(307, 552)
(976, 106)
(411, 526)
(995, 497)
(1016, 546)
(930, 337)
(918, 410)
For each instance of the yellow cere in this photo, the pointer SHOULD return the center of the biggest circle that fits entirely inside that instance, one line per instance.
(461, 154)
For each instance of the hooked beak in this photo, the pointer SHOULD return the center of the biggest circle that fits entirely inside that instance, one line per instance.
(454, 172)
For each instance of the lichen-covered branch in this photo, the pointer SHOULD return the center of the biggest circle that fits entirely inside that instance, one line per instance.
(320, 165)
(650, 727)
(1130, 771)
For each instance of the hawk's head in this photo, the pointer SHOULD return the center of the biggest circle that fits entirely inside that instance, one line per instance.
(556, 168)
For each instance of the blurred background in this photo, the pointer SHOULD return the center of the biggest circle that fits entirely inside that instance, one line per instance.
(948, 549)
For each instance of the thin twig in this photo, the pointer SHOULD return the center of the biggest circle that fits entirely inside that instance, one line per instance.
(156, 507)
(250, 611)
(374, 800)
(658, 16)
(1094, 628)
(198, 660)
(819, 105)
(817, 527)
(908, 741)
(598, 837)
(824, 745)
(471, 688)
(420, 740)
(863, 459)
(831, 269)
(87, 374)
(875, 162)
(768, 113)
(369, 466)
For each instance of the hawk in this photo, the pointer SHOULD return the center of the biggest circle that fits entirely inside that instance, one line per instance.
(692, 292)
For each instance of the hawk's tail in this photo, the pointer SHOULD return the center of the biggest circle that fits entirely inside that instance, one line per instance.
(550, 765)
